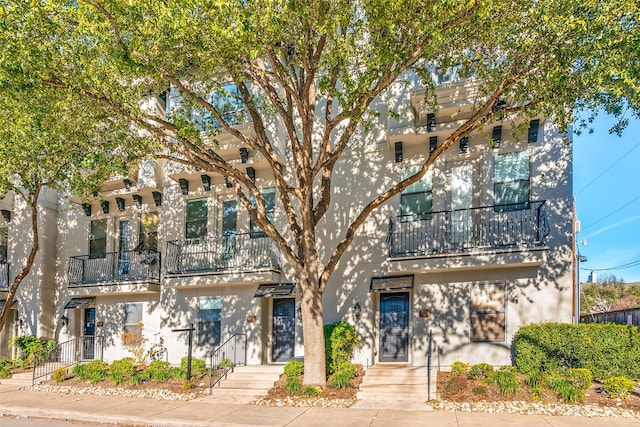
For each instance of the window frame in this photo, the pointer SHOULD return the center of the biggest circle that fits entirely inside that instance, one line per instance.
(499, 185)
(97, 243)
(149, 238)
(130, 327)
(254, 229)
(202, 220)
(212, 323)
(416, 190)
(481, 312)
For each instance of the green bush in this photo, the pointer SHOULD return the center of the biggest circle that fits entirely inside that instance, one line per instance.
(293, 370)
(533, 381)
(506, 380)
(5, 371)
(198, 367)
(605, 349)
(59, 375)
(138, 378)
(480, 370)
(618, 386)
(33, 348)
(565, 388)
(120, 370)
(580, 377)
(225, 363)
(342, 377)
(459, 368)
(159, 370)
(340, 341)
(311, 390)
(94, 371)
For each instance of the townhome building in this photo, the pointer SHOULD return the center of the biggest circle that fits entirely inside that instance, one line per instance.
(480, 246)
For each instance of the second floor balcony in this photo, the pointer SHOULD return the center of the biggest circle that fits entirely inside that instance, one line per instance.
(228, 253)
(115, 272)
(483, 229)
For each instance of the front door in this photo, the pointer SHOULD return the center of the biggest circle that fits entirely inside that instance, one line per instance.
(88, 334)
(394, 327)
(284, 328)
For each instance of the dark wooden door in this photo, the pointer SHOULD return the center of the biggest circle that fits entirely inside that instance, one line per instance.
(284, 329)
(88, 334)
(394, 327)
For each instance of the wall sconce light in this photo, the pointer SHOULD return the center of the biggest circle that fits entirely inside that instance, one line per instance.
(206, 182)
(244, 155)
(299, 313)
(105, 206)
(252, 174)
(157, 198)
(137, 199)
(398, 149)
(65, 320)
(87, 209)
(496, 136)
(95, 193)
(227, 183)
(433, 144)
(127, 183)
(6, 215)
(357, 311)
(120, 203)
(184, 186)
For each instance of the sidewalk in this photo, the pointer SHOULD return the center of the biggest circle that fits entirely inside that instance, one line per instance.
(147, 412)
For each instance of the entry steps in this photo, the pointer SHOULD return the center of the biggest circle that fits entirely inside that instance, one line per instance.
(245, 383)
(19, 380)
(396, 387)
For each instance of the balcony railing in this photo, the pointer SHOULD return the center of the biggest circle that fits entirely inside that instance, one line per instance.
(249, 251)
(114, 268)
(485, 228)
(4, 275)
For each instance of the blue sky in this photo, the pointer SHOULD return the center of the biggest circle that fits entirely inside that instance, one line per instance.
(607, 189)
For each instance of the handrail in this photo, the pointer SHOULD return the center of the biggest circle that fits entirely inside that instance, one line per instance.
(114, 267)
(429, 353)
(228, 355)
(67, 354)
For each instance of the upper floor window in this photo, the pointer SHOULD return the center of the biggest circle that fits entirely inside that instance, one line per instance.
(98, 238)
(511, 179)
(416, 200)
(228, 102)
(4, 245)
(269, 195)
(229, 216)
(148, 236)
(196, 219)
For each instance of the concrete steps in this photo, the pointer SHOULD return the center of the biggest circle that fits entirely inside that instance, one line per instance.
(18, 380)
(245, 383)
(396, 386)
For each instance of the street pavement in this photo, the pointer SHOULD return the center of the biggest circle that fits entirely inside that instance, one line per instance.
(204, 412)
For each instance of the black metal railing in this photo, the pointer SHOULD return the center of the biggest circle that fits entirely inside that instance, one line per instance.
(4, 275)
(228, 355)
(219, 253)
(68, 354)
(488, 227)
(114, 267)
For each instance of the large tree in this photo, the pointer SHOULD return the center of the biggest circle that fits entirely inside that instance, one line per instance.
(314, 68)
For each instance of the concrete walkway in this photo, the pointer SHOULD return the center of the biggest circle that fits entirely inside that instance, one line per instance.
(134, 411)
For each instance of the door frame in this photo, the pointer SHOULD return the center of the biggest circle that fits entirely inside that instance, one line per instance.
(272, 328)
(378, 348)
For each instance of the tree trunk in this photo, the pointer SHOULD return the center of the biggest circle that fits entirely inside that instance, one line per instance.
(313, 332)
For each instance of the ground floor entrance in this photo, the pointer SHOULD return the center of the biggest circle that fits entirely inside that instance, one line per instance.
(284, 328)
(394, 327)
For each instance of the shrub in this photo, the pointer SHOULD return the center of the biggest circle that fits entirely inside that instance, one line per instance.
(159, 370)
(506, 380)
(121, 370)
(533, 381)
(620, 387)
(340, 341)
(311, 390)
(480, 390)
(456, 385)
(293, 370)
(605, 349)
(5, 371)
(342, 377)
(33, 348)
(135, 342)
(94, 371)
(580, 377)
(481, 370)
(138, 378)
(225, 363)
(59, 375)
(566, 390)
(198, 367)
(459, 368)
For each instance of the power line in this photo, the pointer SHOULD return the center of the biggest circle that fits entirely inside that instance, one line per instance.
(619, 267)
(608, 215)
(608, 169)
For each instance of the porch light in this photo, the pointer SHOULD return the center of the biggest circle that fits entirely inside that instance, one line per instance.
(6, 215)
(137, 199)
(227, 183)
(252, 174)
(105, 206)
(184, 186)
(157, 198)
(127, 183)
(64, 320)
(206, 182)
(87, 209)
(244, 155)
(299, 313)
(398, 150)
(357, 311)
(120, 204)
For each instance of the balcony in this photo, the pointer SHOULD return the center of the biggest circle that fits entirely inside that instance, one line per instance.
(122, 272)
(513, 235)
(239, 257)
(4, 276)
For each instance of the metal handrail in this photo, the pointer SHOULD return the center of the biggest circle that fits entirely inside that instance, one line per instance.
(114, 267)
(68, 354)
(235, 356)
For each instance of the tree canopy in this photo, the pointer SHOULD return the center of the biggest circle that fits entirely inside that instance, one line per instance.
(312, 69)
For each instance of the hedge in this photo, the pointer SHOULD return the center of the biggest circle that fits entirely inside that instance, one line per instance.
(606, 349)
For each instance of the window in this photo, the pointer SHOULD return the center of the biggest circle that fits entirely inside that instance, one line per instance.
(210, 316)
(228, 102)
(4, 245)
(148, 236)
(229, 216)
(98, 239)
(487, 313)
(511, 181)
(196, 221)
(269, 195)
(132, 322)
(416, 199)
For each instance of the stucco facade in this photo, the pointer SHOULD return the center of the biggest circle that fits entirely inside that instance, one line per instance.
(447, 257)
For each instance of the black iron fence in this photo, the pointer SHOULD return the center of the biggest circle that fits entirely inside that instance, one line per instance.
(228, 355)
(114, 267)
(68, 354)
(488, 227)
(219, 253)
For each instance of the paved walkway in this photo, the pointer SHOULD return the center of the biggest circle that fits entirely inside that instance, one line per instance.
(147, 412)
